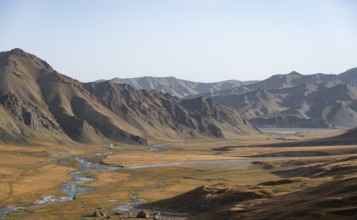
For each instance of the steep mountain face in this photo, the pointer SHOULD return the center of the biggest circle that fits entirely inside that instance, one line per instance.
(178, 87)
(42, 99)
(289, 80)
(39, 103)
(161, 114)
(306, 105)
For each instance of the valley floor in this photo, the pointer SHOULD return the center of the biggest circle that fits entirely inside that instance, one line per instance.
(254, 173)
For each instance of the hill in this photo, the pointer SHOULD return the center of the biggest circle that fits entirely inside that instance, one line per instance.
(334, 199)
(38, 103)
(310, 187)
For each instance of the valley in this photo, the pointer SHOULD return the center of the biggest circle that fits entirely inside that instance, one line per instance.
(281, 148)
(148, 176)
(178, 110)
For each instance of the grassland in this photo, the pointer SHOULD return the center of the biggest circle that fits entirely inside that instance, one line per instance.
(31, 172)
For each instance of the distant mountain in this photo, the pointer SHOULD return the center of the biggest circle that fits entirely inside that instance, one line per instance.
(39, 104)
(349, 76)
(178, 87)
(304, 105)
(291, 79)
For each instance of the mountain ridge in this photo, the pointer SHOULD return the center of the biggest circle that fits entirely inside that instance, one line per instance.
(291, 79)
(178, 87)
(306, 105)
(46, 105)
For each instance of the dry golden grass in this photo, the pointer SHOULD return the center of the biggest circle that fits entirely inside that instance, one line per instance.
(19, 161)
(152, 184)
(29, 172)
(184, 179)
(38, 182)
(135, 159)
(104, 179)
(4, 190)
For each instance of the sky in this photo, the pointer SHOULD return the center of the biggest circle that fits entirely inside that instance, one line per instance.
(197, 40)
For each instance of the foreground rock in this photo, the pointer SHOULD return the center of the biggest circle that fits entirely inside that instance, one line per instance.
(143, 214)
(99, 213)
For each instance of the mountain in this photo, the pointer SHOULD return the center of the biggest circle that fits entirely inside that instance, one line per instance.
(178, 87)
(38, 103)
(304, 105)
(165, 115)
(349, 77)
(291, 79)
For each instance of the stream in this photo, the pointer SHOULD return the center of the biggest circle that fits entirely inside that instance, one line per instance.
(70, 189)
(74, 187)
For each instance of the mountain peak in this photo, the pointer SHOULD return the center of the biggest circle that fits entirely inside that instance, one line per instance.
(18, 52)
(349, 76)
(294, 73)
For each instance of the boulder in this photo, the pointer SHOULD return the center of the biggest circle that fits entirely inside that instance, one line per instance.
(143, 214)
(156, 217)
(98, 213)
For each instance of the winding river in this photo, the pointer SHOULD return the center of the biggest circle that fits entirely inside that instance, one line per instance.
(74, 187)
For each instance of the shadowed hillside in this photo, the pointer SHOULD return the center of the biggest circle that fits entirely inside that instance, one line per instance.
(310, 188)
(334, 199)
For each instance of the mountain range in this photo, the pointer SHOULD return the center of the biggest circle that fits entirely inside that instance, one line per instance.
(38, 103)
(179, 87)
(282, 100)
(281, 81)
(322, 105)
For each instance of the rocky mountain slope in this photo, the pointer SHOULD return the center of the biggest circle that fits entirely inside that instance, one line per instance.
(289, 80)
(164, 115)
(37, 102)
(282, 100)
(305, 105)
(179, 87)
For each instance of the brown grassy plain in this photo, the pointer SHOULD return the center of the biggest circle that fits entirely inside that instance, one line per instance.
(30, 167)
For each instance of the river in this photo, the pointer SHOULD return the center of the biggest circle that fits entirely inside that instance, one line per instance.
(78, 178)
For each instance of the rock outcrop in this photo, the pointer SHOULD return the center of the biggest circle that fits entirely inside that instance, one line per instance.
(143, 214)
(28, 114)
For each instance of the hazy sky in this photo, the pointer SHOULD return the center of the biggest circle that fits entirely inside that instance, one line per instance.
(190, 39)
